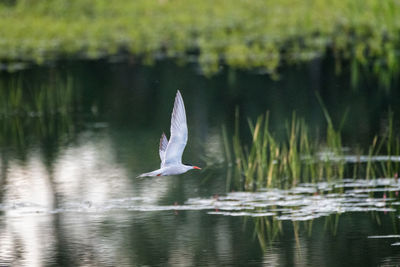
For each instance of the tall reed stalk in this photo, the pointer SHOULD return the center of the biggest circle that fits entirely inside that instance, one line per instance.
(271, 162)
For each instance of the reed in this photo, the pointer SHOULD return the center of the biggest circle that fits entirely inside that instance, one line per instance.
(34, 113)
(271, 162)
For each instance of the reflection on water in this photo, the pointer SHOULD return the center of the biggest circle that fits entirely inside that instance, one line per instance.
(307, 201)
(301, 203)
(73, 139)
(32, 191)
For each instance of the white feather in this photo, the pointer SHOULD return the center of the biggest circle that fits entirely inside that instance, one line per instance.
(179, 133)
(163, 148)
(171, 151)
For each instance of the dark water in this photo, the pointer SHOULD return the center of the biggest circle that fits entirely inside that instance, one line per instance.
(73, 138)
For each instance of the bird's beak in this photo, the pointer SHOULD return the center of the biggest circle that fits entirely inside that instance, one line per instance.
(197, 168)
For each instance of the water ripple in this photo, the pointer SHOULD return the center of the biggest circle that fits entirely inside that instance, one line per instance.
(301, 203)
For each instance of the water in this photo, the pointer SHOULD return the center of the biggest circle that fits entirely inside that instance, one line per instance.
(73, 138)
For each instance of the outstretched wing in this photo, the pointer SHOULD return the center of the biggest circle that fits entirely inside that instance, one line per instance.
(179, 133)
(163, 148)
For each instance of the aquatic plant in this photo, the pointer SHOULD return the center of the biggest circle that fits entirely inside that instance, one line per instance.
(242, 34)
(30, 112)
(271, 162)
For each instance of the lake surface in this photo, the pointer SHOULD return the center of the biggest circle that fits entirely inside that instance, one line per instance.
(74, 136)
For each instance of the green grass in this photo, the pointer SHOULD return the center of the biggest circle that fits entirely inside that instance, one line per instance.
(269, 161)
(30, 112)
(242, 34)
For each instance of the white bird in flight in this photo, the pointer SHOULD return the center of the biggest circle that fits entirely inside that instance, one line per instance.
(171, 152)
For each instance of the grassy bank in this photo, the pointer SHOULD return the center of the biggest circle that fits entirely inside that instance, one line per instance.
(243, 34)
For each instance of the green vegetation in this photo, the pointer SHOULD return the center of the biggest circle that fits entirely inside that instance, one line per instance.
(242, 34)
(32, 113)
(270, 162)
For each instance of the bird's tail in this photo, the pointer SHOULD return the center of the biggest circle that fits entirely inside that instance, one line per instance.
(150, 174)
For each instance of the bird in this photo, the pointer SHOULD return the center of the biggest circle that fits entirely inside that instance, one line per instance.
(171, 151)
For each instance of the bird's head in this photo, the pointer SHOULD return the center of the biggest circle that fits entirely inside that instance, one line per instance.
(193, 167)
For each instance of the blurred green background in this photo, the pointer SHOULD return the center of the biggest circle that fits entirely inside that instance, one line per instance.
(243, 34)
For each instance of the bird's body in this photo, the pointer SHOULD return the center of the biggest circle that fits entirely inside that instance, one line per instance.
(171, 151)
(169, 170)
